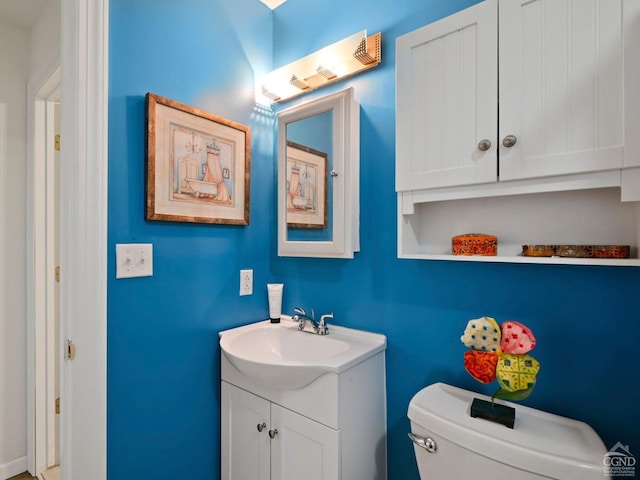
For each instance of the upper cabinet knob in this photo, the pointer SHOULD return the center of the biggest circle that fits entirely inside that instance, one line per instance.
(509, 141)
(484, 145)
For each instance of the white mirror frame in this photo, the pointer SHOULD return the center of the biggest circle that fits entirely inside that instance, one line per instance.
(345, 205)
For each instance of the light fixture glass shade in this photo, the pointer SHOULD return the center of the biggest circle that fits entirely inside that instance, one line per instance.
(327, 65)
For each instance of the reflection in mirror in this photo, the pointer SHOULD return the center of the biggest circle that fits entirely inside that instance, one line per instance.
(318, 178)
(309, 161)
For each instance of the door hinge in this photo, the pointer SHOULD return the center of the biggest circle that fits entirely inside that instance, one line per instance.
(58, 406)
(57, 143)
(70, 352)
(58, 273)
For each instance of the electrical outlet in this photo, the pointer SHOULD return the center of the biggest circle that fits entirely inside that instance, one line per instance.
(134, 260)
(246, 282)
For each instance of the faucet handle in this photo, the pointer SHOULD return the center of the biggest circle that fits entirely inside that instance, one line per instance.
(299, 310)
(322, 318)
(322, 325)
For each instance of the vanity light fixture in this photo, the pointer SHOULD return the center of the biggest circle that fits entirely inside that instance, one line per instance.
(335, 62)
(326, 73)
(269, 95)
(296, 82)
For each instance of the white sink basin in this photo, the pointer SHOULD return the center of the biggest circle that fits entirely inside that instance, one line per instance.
(280, 357)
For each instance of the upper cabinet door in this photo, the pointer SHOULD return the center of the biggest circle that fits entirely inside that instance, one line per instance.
(561, 87)
(446, 91)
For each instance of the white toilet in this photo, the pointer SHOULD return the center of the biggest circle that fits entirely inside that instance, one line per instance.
(451, 445)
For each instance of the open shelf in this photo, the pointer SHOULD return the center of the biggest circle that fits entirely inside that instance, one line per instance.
(622, 262)
(579, 217)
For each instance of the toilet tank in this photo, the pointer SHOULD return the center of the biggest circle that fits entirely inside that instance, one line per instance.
(540, 445)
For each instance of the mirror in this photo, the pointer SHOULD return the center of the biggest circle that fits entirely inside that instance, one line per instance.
(319, 178)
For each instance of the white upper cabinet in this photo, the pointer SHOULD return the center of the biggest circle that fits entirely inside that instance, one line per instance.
(447, 94)
(561, 87)
(512, 90)
(520, 119)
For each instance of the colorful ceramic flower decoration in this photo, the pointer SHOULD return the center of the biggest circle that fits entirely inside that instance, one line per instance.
(501, 352)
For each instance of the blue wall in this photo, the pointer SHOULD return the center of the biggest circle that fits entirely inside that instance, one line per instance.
(163, 358)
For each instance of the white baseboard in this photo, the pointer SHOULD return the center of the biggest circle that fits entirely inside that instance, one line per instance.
(12, 468)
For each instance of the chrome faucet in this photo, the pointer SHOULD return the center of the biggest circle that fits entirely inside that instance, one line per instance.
(305, 323)
(308, 324)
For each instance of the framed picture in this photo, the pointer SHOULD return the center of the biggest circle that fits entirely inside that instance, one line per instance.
(306, 187)
(197, 165)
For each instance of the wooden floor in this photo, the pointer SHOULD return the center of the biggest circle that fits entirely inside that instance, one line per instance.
(52, 473)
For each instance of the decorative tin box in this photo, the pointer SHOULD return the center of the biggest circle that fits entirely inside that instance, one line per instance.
(474, 244)
(577, 251)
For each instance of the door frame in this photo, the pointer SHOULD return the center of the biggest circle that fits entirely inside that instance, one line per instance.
(83, 255)
(42, 92)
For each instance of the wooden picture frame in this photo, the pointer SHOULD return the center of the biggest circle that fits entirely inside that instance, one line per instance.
(198, 165)
(306, 187)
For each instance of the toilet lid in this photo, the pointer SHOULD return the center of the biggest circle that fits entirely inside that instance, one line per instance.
(540, 442)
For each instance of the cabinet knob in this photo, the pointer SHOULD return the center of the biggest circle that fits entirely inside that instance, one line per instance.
(273, 433)
(484, 145)
(509, 141)
(261, 426)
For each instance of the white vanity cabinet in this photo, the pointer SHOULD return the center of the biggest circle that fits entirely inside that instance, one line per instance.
(262, 440)
(512, 97)
(333, 428)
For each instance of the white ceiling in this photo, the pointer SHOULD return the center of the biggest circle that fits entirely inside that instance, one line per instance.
(269, 3)
(24, 13)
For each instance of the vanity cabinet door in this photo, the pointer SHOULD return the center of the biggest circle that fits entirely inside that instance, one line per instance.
(245, 450)
(264, 441)
(561, 87)
(303, 448)
(446, 101)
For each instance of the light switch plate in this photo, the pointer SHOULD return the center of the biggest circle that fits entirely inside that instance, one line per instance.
(134, 260)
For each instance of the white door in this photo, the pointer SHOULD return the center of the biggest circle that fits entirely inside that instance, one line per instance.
(561, 87)
(245, 425)
(42, 258)
(446, 101)
(303, 448)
